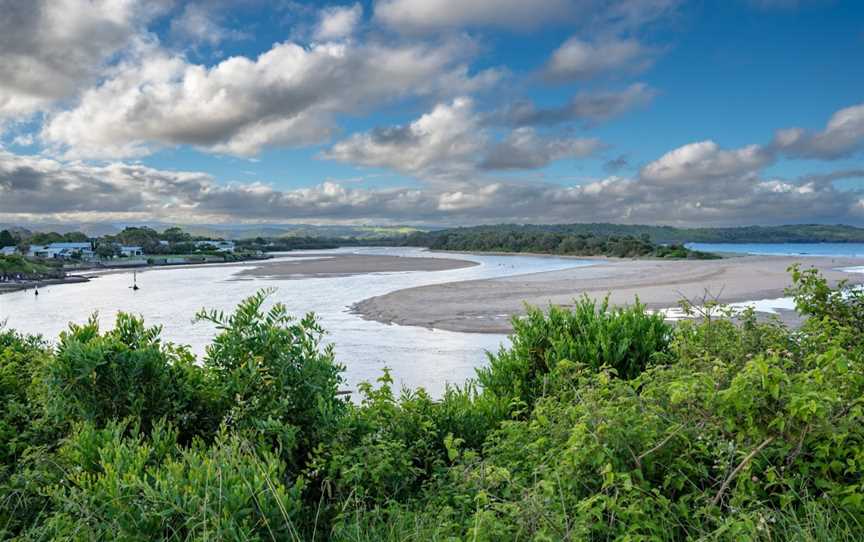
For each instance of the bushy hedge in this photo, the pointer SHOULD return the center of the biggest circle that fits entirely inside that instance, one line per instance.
(598, 423)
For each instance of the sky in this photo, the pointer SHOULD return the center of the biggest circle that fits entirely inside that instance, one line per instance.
(432, 112)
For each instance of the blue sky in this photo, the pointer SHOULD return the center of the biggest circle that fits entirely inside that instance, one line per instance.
(433, 111)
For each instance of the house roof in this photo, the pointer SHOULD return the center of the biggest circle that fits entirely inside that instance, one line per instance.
(61, 246)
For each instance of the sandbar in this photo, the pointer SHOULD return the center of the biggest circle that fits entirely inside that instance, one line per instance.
(340, 265)
(486, 306)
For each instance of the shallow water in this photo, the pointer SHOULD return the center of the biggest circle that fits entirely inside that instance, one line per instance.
(772, 306)
(838, 250)
(170, 297)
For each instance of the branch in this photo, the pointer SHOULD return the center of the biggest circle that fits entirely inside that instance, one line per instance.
(657, 447)
(738, 469)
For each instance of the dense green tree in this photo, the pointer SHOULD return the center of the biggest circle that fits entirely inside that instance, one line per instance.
(43, 238)
(175, 235)
(107, 249)
(7, 239)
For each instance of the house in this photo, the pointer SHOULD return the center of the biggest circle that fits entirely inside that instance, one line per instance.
(8, 251)
(129, 251)
(38, 251)
(218, 246)
(62, 251)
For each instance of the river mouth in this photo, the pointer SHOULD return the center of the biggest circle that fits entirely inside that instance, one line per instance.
(170, 297)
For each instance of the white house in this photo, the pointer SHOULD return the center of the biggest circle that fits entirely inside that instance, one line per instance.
(62, 251)
(8, 251)
(129, 251)
(220, 246)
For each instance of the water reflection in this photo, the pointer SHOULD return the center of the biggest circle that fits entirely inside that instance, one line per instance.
(170, 297)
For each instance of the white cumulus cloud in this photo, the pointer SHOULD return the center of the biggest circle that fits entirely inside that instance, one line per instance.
(287, 96)
(842, 137)
(338, 22)
(52, 48)
(579, 59)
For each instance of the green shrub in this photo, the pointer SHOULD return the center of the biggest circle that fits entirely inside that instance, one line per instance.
(384, 448)
(23, 432)
(624, 339)
(278, 380)
(21, 358)
(145, 487)
(816, 299)
(128, 372)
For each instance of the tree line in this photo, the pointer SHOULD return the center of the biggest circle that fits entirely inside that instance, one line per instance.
(537, 240)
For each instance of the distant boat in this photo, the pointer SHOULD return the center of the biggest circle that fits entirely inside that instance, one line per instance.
(135, 282)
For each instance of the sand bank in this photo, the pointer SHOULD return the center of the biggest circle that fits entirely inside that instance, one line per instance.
(485, 306)
(9, 287)
(340, 265)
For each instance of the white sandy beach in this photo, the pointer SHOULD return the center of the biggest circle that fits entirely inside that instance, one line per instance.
(485, 306)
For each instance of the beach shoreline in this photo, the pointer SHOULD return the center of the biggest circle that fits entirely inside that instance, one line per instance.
(486, 306)
(17, 286)
(318, 265)
(301, 266)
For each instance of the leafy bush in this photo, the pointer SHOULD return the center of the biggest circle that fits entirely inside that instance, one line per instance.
(278, 381)
(624, 339)
(145, 487)
(20, 359)
(815, 298)
(128, 372)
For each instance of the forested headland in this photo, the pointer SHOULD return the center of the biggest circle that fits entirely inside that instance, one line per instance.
(597, 423)
(538, 240)
(618, 240)
(660, 235)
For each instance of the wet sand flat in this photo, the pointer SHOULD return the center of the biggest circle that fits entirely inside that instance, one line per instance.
(340, 265)
(485, 306)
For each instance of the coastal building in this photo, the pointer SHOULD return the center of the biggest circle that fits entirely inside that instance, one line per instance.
(8, 251)
(218, 246)
(130, 251)
(62, 251)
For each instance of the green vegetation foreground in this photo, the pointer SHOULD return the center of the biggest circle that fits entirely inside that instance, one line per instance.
(597, 424)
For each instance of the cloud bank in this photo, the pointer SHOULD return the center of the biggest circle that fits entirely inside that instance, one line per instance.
(287, 96)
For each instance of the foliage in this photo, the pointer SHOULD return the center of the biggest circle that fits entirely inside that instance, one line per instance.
(597, 423)
(46, 238)
(7, 239)
(139, 487)
(550, 240)
(128, 373)
(814, 297)
(623, 339)
(281, 383)
(16, 265)
(668, 235)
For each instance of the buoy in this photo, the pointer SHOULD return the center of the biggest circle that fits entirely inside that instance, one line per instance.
(134, 286)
